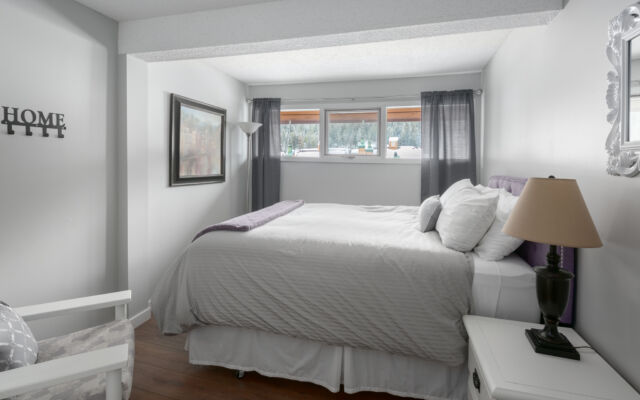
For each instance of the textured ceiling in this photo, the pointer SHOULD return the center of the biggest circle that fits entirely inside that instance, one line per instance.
(391, 59)
(126, 10)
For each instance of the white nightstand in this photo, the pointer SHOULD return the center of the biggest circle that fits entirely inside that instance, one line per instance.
(503, 366)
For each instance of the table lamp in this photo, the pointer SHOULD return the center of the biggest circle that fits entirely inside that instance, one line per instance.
(249, 128)
(552, 211)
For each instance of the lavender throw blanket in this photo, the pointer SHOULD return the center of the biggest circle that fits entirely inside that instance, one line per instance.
(251, 220)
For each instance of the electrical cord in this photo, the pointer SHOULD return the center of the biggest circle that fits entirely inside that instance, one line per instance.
(583, 347)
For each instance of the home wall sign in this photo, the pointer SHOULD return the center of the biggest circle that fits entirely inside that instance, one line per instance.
(30, 119)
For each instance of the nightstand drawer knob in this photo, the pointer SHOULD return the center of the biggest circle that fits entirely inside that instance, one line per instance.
(476, 380)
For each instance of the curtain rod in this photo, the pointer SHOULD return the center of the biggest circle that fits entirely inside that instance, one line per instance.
(477, 92)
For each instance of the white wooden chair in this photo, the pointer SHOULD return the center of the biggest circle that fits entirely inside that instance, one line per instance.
(111, 360)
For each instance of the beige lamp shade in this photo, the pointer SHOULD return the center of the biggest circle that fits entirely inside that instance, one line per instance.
(552, 211)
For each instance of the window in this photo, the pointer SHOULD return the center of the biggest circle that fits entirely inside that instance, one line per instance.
(300, 133)
(353, 132)
(390, 132)
(403, 132)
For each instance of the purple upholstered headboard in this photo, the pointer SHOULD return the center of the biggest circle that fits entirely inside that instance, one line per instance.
(536, 253)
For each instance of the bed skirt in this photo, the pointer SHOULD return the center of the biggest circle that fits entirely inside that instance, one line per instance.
(329, 366)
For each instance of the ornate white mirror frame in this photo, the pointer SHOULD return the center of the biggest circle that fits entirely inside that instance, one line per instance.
(624, 159)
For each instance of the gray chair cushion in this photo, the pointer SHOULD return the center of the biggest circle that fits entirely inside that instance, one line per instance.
(89, 388)
(18, 347)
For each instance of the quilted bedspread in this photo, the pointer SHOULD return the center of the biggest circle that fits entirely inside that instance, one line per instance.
(359, 276)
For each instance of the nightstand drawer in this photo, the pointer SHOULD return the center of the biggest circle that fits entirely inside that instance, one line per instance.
(477, 385)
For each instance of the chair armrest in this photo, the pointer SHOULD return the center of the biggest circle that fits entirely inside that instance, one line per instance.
(56, 308)
(38, 376)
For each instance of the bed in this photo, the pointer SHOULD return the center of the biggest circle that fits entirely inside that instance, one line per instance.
(382, 313)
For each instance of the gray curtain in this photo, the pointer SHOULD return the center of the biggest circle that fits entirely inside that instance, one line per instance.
(448, 140)
(265, 189)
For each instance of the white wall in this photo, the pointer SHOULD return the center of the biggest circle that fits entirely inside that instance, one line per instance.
(58, 206)
(163, 219)
(368, 88)
(134, 254)
(546, 114)
(371, 184)
(352, 182)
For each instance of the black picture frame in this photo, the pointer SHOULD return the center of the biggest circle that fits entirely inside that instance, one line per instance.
(214, 157)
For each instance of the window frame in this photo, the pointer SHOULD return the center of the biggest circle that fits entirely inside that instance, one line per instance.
(320, 123)
(380, 106)
(395, 105)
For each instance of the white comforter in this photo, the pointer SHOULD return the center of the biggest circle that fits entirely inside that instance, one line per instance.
(358, 276)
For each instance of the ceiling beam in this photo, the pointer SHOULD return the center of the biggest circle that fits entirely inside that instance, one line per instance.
(294, 24)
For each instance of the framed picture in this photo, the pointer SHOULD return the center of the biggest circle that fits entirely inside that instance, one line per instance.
(197, 142)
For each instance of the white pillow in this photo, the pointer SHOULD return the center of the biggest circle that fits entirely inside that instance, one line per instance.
(428, 213)
(486, 189)
(465, 183)
(496, 245)
(466, 217)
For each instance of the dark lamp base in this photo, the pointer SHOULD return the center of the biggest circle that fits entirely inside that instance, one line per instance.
(560, 347)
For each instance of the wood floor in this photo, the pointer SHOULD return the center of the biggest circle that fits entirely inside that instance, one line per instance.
(162, 371)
